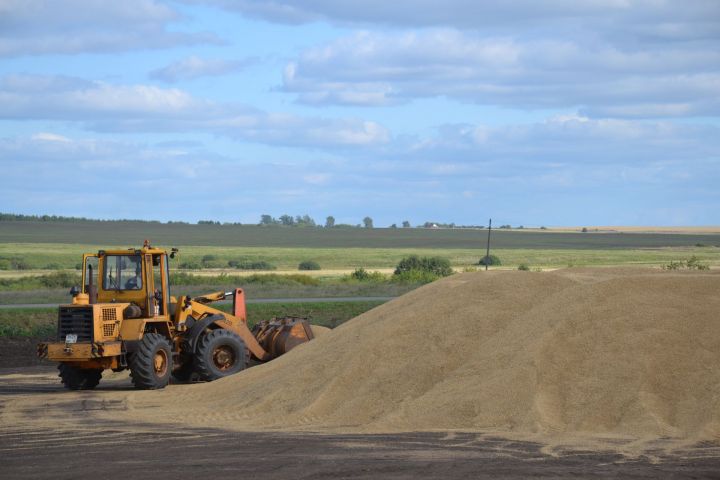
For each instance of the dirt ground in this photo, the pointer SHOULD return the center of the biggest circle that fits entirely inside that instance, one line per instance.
(47, 432)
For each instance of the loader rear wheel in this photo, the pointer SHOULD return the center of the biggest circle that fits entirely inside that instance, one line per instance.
(75, 378)
(151, 363)
(220, 353)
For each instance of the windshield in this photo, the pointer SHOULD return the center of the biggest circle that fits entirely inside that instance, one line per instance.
(122, 272)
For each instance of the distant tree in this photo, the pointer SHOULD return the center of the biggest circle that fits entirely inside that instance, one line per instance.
(584, 230)
(368, 222)
(267, 220)
(394, 225)
(330, 221)
(287, 220)
(304, 221)
(406, 224)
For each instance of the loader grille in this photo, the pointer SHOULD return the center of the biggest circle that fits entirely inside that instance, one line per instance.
(109, 314)
(77, 320)
(109, 329)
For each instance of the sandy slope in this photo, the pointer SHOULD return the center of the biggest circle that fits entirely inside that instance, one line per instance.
(574, 352)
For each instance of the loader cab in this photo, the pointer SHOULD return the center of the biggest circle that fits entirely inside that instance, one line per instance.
(136, 276)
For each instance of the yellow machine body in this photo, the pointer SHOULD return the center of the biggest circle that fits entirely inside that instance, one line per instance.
(125, 297)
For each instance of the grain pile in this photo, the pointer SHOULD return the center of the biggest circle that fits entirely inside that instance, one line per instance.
(630, 353)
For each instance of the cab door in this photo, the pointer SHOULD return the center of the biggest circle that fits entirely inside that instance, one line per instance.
(159, 283)
(90, 276)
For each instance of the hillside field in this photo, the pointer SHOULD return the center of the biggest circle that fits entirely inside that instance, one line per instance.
(38, 246)
(133, 233)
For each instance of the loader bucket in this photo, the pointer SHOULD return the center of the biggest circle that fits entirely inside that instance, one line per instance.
(280, 335)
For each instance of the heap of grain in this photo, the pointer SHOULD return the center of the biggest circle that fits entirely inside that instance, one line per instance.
(603, 352)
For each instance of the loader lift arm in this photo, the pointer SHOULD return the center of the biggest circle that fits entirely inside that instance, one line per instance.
(196, 310)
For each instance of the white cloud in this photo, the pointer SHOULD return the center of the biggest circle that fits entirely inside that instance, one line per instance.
(194, 67)
(317, 178)
(602, 80)
(49, 137)
(36, 27)
(550, 171)
(666, 19)
(105, 107)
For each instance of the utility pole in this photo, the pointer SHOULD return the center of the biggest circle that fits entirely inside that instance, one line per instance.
(487, 254)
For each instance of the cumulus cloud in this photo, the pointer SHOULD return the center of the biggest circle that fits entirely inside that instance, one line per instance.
(385, 68)
(36, 27)
(194, 67)
(571, 141)
(556, 170)
(670, 19)
(619, 58)
(106, 107)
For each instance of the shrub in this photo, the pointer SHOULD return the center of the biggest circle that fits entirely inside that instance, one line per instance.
(362, 275)
(210, 261)
(490, 260)
(523, 267)
(190, 265)
(692, 263)
(261, 279)
(415, 276)
(60, 280)
(438, 266)
(53, 280)
(251, 265)
(309, 265)
(19, 264)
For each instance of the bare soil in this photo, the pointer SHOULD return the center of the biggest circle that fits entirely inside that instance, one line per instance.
(20, 352)
(72, 443)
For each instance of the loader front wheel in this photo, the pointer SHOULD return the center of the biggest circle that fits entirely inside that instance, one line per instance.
(220, 353)
(77, 378)
(151, 363)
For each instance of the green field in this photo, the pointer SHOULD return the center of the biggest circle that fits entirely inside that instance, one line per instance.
(32, 248)
(39, 256)
(41, 322)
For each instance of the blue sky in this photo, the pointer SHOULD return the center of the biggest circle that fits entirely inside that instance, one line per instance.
(553, 112)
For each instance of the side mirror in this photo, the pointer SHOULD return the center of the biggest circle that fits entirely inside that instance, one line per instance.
(74, 290)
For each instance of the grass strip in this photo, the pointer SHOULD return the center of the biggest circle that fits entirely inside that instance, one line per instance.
(41, 322)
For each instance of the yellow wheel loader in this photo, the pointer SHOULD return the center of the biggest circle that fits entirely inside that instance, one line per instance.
(123, 317)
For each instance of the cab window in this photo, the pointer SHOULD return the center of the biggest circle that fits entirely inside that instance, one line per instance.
(122, 272)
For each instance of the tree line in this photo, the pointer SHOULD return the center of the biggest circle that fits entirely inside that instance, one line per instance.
(265, 220)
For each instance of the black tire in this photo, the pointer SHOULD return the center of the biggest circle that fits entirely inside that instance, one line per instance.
(184, 372)
(151, 364)
(75, 378)
(220, 353)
